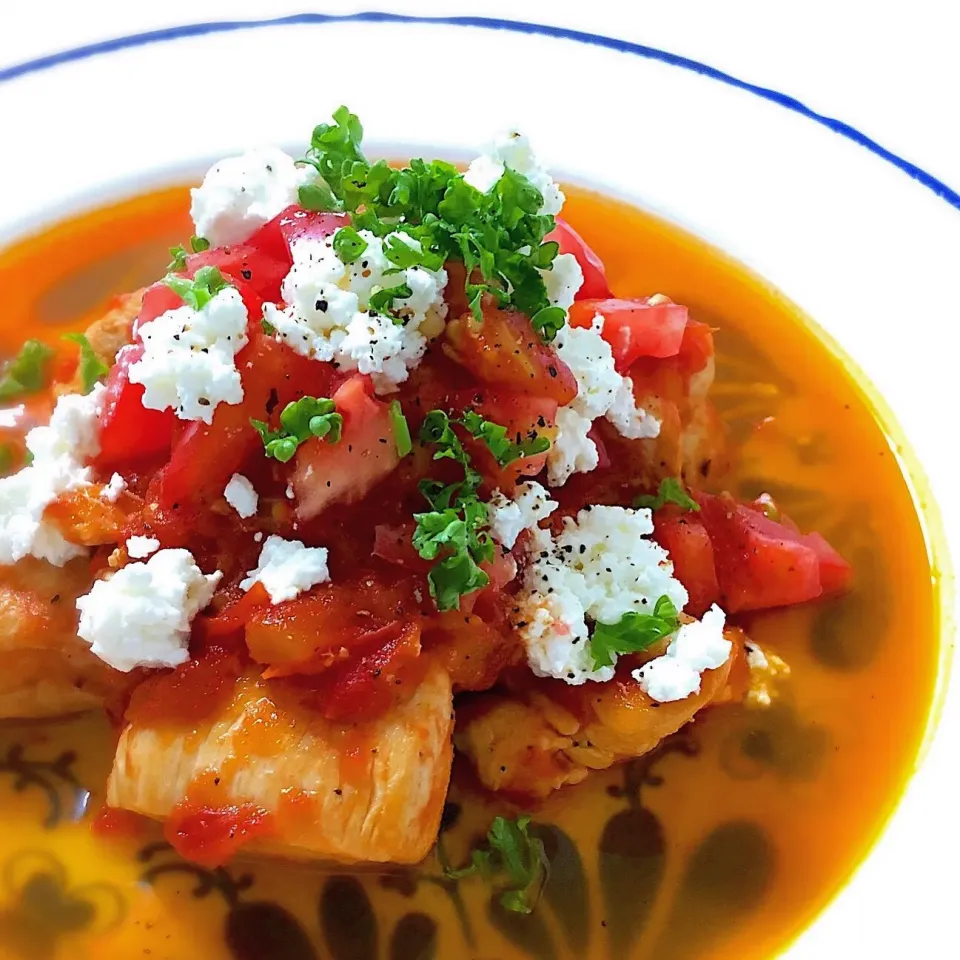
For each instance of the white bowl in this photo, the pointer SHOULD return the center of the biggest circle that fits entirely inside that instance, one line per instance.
(860, 239)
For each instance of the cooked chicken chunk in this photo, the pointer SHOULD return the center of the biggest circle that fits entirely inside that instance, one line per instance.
(372, 791)
(45, 669)
(546, 734)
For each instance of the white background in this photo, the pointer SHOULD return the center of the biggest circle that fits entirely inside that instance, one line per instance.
(888, 68)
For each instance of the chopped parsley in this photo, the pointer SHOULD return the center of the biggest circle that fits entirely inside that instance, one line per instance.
(207, 282)
(633, 632)
(671, 491)
(179, 253)
(27, 371)
(494, 435)
(401, 429)
(382, 300)
(497, 235)
(454, 531)
(91, 365)
(304, 418)
(510, 852)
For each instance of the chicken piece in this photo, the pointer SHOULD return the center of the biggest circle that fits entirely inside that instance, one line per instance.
(546, 734)
(45, 668)
(108, 334)
(288, 781)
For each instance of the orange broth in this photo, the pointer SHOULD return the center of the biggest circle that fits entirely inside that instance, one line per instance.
(723, 846)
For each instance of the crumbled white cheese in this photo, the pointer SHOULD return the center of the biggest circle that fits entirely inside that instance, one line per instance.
(111, 492)
(240, 494)
(697, 646)
(601, 392)
(327, 312)
(563, 280)
(139, 548)
(286, 568)
(59, 451)
(512, 149)
(602, 565)
(258, 536)
(509, 518)
(572, 450)
(240, 194)
(766, 672)
(188, 362)
(140, 616)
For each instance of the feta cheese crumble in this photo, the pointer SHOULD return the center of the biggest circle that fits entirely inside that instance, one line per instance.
(512, 149)
(239, 493)
(509, 518)
(601, 566)
(141, 615)
(767, 670)
(697, 646)
(563, 280)
(328, 317)
(188, 363)
(59, 451)
(138, 548)
(111, 492)
(601, 392)
(240, 194)
(286, 568)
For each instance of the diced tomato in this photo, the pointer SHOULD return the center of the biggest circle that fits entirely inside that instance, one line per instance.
(296, 224)
(502, 349)
(345, 472)
(368, 685)
(685, 538)
(210, 836)
(635, 328)
(762, 563)
(525, 417)
(835, 572)
(128, 430)
(696, 348)
(207, 455)
(595, 286)
(245, 261)
(394, 543)
(235, 615)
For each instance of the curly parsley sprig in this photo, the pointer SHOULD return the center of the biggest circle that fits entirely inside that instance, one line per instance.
(497, 235)
(510, 852)
(300, 421)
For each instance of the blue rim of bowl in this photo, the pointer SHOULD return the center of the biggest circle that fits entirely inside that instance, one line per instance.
(166, 34)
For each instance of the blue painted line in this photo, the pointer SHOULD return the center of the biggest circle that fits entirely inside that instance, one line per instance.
(845, 130)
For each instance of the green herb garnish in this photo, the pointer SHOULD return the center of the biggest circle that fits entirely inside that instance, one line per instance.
(494, 435)
(304, 418)
(198, 292)
(671, 491)
(382, 300)
(498, 234)
(348, 245)
(27, 371)
(179, 253)
(318, 196)
(401, 429)
(633, 632)
(511, 852)
(453, 533)
(91, 366)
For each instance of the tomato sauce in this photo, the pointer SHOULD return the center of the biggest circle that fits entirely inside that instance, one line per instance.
(723, 848)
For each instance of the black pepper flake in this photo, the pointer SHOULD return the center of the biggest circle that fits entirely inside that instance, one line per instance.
(321, 305)
(338, 791)
(246, 274)
(552, 370)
